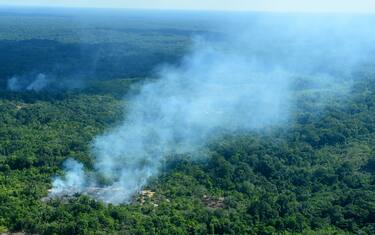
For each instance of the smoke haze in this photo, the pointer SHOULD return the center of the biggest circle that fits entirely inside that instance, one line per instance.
(28, 83)
(241, 83)
(42, 82)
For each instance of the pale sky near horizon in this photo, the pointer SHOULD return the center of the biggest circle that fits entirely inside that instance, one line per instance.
(248, 5)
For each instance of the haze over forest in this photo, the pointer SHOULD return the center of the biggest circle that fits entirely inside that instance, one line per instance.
(187, 122)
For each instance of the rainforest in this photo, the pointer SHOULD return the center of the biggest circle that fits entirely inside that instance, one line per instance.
(186, 122)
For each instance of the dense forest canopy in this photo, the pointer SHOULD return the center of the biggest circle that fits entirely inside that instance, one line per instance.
(88, 43)
(313, 175)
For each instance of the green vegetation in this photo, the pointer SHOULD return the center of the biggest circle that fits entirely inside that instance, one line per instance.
(104, 45)
(317, 176)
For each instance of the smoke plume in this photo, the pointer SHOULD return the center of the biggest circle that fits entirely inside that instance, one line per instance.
(241, 83)
(28, 83)
(42, 82)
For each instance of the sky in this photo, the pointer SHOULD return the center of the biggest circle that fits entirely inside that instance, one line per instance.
(247, 5)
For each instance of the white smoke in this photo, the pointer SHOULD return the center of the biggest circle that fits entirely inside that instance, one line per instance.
(39, 83)
(177, 114)
(14, 84)
(74, 179)
(242, 84)
(29, 83)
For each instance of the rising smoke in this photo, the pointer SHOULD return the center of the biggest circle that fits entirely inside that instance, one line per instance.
(242, 83)
(43, 82)
(29, 83)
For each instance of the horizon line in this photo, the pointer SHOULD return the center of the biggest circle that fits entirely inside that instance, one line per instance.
(188, 9)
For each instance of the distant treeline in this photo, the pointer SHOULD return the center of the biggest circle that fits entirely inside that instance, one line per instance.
(97, 61)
